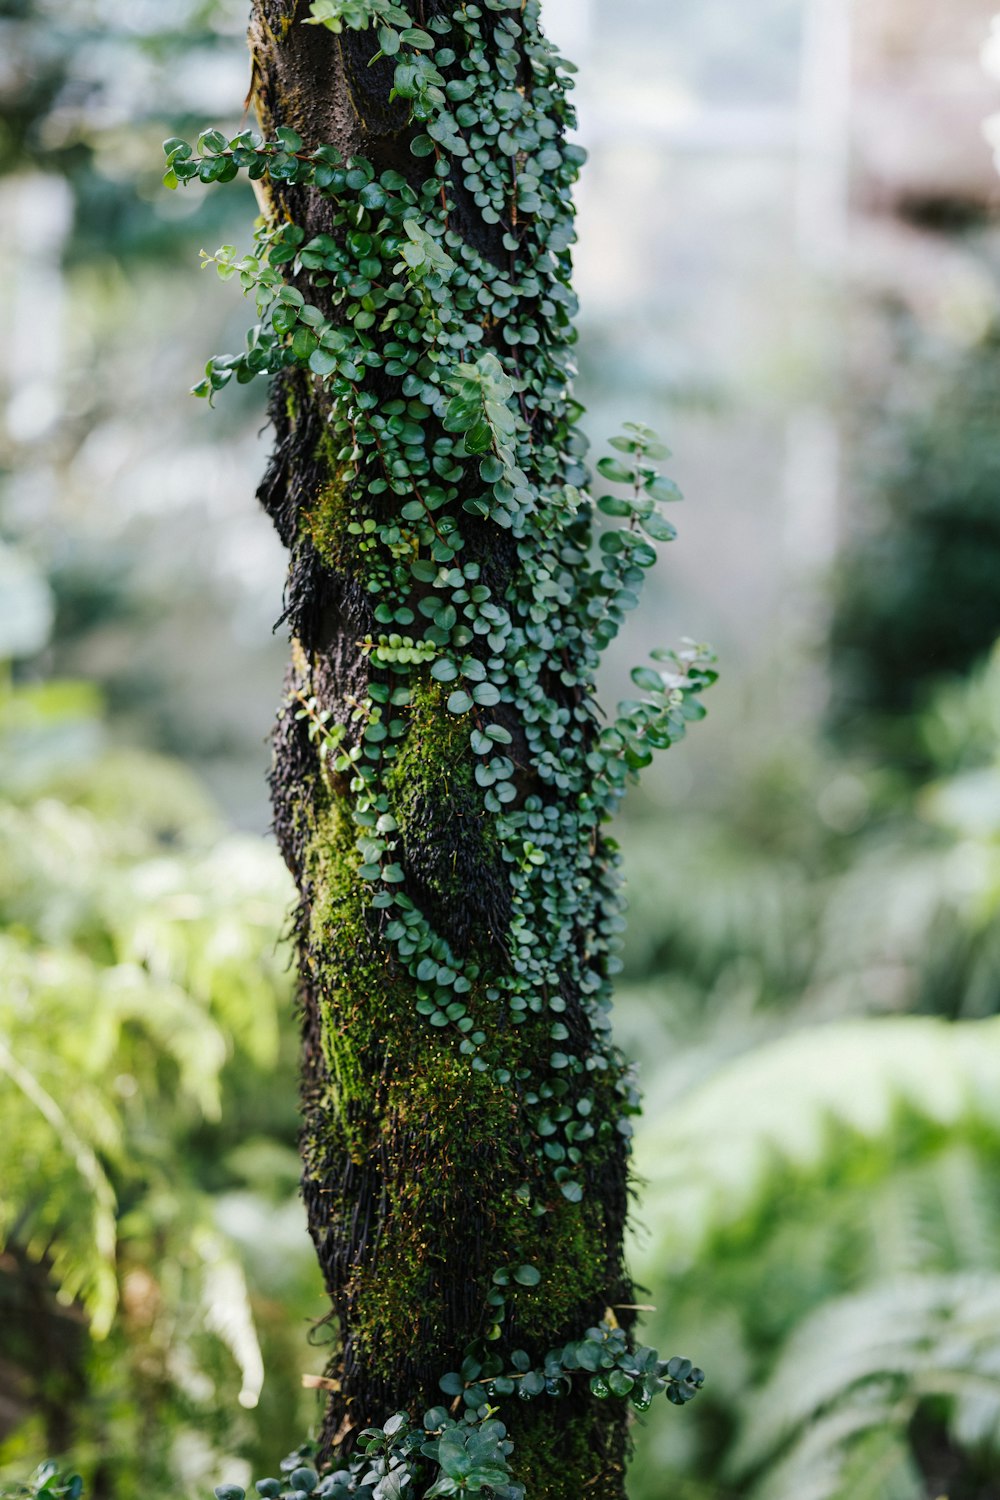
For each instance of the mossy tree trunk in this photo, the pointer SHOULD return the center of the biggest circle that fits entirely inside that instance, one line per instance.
(465, 1140)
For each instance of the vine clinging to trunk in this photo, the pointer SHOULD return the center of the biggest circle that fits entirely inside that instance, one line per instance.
(442, 781)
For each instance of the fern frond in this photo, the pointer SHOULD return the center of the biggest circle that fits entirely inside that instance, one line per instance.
(206, 924)
(227, 1310)
(842, 1455)
(70, 1223)
(862, 1365)
(716, 901)
(711, 1152)
(137, 957)
(961, 725)
(878, 916)
(171, 1025)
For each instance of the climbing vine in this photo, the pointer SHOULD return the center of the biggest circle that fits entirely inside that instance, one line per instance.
(443, 368)
(454, 1457)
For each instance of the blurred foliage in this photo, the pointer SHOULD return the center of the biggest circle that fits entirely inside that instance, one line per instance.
(916, 598)
(166, 577)
(822, 1225)
(47, 1482)
(85, 91)
(147, 1109)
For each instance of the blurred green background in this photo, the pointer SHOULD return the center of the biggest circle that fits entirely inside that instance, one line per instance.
(788, 264)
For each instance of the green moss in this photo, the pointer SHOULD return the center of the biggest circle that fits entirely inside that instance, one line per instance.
(402, 1095)
(326, 522)
(446, 1137)
(436, 1120)
(434, 757)
(291, 401)
(560, 1459)
(438, 805)
(570, 1247)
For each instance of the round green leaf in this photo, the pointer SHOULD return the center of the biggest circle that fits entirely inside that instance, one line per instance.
(647, 679)
(613, 468)
(612, 505)
(322, 362)
(662, 488)
(659, 529)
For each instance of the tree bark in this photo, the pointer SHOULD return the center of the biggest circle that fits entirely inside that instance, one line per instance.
(423, 1173)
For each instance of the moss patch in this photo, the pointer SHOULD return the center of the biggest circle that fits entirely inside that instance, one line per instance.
(570, 1246)
(326, 523)
(452, 852)
(559, 1458)
(437, 1141)
(435, 1147)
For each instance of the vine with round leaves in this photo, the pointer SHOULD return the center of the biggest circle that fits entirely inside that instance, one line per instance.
(445, 1456)
(478, 355)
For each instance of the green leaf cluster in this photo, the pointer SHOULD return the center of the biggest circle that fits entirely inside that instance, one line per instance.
(48, 1482)
(403, 1460)
(605, 1358)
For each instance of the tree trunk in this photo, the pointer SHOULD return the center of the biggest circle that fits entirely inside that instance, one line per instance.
(464, 1113)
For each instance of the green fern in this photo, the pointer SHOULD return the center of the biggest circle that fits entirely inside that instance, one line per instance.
(793, 1158)
(716, 901)
(712, 1154)
(960, 727)
(858, 1370)
(137, 962)
(72, 1028)
(58, 1200)
(808, 1168)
